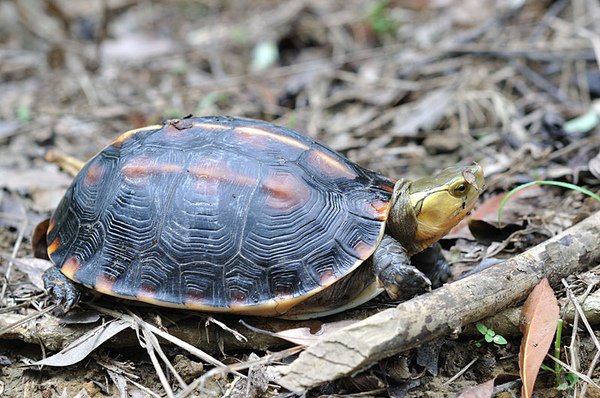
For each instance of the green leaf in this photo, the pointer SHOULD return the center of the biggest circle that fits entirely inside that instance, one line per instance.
(572, 378)
(554, 183)
(172, 113)
(24, 113)
(265, 54)
(491, 332)
(378, 16)
(209, 100)
(500, 340)
(547, 368)
(488, 338)
(563, 386)
(583, 123)
(481, 328)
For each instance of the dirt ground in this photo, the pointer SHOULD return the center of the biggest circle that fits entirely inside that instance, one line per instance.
(403, 87)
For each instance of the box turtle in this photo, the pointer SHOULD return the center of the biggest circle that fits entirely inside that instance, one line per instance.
(223, 214)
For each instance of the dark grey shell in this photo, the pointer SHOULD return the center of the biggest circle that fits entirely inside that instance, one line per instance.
(217, 214)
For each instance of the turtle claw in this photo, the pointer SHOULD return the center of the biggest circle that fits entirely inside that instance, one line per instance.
(395, 272)
(64, 292)
(407, 283)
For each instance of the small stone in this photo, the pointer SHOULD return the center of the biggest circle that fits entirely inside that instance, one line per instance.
(187, 369)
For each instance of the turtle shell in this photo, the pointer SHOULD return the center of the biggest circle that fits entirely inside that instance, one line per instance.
(217, 214)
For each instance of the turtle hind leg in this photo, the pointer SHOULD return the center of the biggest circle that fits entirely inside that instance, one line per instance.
(39, 240)
(392, 266)
(69, 164)
(65, 292)
(432, 263)
(348, 292)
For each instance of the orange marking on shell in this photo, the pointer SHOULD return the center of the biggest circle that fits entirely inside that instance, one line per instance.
(363, 250)
(388, 185)
(194, 298)
(237, 298)
(93, 174)
(70, 267)
(142, 167)
(327, 277)
(329, 165)
(138, 167)
(221, 174)
(125, 136)
(167, 168)
(51, 224)
(284, 292)
(53, 246)
(146, 292)
(380, 209)
(246, 133)
(285, 191)
(105, 283)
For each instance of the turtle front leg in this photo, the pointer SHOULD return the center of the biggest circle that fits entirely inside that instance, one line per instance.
(393, 268)
(432, 263)
(64, 291)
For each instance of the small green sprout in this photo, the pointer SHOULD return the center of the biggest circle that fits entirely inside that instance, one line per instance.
(264, 55)
(489, 335)
(379, 19)
(24, 113)
(209, 100)
(172, 113)
(554, 183)
(564, 380)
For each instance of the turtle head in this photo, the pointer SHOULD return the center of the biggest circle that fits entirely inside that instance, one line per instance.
(424, 210)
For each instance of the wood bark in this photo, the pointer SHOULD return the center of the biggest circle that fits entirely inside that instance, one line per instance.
(210, 338)
(444, 311)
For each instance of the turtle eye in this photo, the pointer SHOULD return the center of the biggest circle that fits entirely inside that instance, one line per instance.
(459, 189)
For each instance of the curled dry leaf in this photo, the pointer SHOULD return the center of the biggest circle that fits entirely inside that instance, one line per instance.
(538, 324)
(83, 346)
(33, 268)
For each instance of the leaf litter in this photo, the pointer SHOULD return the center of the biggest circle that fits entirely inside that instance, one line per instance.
(401, 87)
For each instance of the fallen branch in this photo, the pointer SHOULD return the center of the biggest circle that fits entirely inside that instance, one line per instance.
(444, 311)
(192, 329)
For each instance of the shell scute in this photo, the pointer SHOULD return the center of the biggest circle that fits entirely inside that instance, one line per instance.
(222, 214)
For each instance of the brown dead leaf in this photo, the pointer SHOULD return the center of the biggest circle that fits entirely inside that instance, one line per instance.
(485, 217)
(538, 324)
(522, 203)
(483, 390)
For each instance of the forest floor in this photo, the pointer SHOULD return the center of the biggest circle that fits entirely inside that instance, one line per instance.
(403, 87)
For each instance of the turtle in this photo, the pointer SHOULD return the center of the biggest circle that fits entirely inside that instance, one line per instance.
(233, 215)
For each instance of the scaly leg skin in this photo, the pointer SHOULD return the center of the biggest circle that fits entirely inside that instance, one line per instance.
(393, 268)
(432, 263)
(66, 293)
(69, 164)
